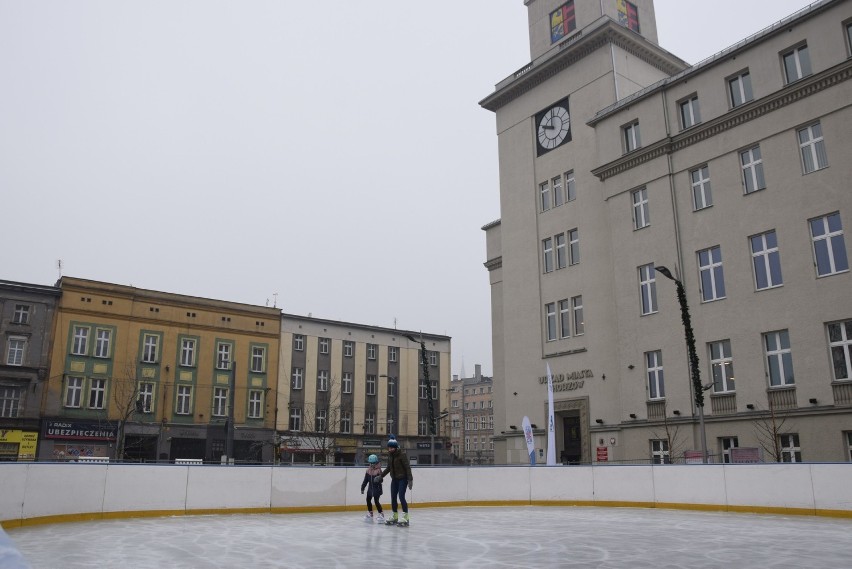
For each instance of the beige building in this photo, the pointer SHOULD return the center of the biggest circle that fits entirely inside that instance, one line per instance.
(618, 159)
(472, 418)
(345, 387)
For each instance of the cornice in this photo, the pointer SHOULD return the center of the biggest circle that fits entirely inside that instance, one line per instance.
(493, 264)
(575, 48)
(734, 118)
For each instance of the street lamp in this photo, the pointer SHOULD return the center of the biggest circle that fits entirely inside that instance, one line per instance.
(425, 365)
(695, 372)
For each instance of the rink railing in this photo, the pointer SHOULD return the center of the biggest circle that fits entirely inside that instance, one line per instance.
(38, 493)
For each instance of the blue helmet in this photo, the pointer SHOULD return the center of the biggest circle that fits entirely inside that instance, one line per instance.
(372, 459)
(392, 443)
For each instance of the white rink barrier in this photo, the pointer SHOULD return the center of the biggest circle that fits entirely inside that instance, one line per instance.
(38, 493)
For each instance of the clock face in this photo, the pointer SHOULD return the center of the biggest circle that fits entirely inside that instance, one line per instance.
(553, 127)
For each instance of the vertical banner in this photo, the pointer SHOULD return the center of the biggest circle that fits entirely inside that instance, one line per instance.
(551, 427)
(528, 435)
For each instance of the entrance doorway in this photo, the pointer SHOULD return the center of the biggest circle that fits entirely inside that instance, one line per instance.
(572, 437)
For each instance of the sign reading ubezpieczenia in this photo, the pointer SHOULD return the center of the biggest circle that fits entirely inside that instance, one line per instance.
(568, 381)
(75, 430)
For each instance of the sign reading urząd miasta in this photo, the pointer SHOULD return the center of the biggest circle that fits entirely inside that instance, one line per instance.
(568, 381)
(75, 430)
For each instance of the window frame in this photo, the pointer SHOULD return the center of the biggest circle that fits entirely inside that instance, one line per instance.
(147, 393)
(561, 248)
(547, 254)
(781, 355)
(764, 260)
(647, 290)
(97, 393)
(224, 352)
(21, 315)
(744, 92)
(631, 138)
(790, 447)
(690, 104)
(641, 208)
(573, 246)
(188, 351)
(219, 407)
(258, 359)
(842, 346)
(578, 321)
(324, 345)
(322, 380)
(183, 400)
(699, 179)
(371, 384)
(544, 196)
(297, 378)
(255, 404)
(721, 366)
(803, 67)
(150, 347)
(80, 340)
(298, 343)
(838, 262)
(16, 348)
(655, 375)
(550, 324)
(10, 401)
(346, 382)
(714, 270)
(570, 186)
(556, 191)
(811, 148)
(753, 172)
(73, 392)
(565, 313)
(348, 348)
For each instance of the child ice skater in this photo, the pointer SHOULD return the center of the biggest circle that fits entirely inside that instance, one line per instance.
(373, 483)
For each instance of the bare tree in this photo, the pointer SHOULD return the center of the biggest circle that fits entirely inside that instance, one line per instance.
(768, 427)
(671, 434)
(127, 400)
(321, 423)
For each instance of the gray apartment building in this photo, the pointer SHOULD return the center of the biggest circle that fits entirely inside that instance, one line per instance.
(622, 165)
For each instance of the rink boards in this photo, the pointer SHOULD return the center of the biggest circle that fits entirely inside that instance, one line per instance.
(55, 492)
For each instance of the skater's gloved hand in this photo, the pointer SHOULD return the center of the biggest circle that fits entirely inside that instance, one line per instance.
(377, 479)
(411, 484)
(362, 490)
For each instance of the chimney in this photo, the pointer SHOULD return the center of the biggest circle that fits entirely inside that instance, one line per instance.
(478, 372)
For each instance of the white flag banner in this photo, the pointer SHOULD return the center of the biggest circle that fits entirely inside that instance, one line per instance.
(528, 435)
(551, 426)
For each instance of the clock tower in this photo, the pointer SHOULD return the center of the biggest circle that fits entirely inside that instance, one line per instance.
(551, 280)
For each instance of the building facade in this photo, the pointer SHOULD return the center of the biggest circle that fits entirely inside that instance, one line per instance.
(145, 375)
(26, 319)
(472, 418)
(621, 164)
(349, 386)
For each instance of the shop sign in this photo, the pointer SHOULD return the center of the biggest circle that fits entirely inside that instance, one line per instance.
(568, 381)
(74, 430)
(602, 454)
(18, 443)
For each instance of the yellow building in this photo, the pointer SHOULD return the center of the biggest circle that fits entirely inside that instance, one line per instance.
(153, 374)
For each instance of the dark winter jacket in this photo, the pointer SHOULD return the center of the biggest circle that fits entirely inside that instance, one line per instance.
(373, 488)
(398, 466)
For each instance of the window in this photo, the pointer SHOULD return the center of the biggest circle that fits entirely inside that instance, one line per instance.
(10, 401)
(80, 345)
(550, 321)
(752, 165)
(840, 345)
(371, 384)
(722, 366)
(421, 427)
(391, 387)
(73, 391)
(641, 215)
(630, 134)
(702, 197)
(573, 246)
(766, 260)
(560, 251)
(483, 422)
(648, 289)
(849, 435)
(220, 401)
(97, 393)
(393, 354)
(711, 274)
(372, 351)
(346, 422)
(797, 63)
(660, 452)
(558, 197)
(15, 353)
(628, 15)
(21, 314)
(829, 246)
(812, 147)
(347, 382)
(145, 402)
(564, 319)
(467, 444)
(370, 424)
(187, 352)
(258, 359)
(255, 404)
(779, 359)
(423, 389)
(321, 421)
(298, 342)
(849, 36)
(790, 449)
(322, 380)
(433, 358)
(150, 345)
(689, 114)
(739, 88)
(579, 323)
(348, 349)
(223, 355)
(544, 193)
(570, 187)
(562, 21)
(184, 400)
(434, 390)
(102, 341)
(654, 367)
(547, 254)
(296, 419)
(727, 443)
(297, 378)
(324, 345)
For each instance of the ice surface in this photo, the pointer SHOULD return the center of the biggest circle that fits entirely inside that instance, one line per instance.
(447, 537)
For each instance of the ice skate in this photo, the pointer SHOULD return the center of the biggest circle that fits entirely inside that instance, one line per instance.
(380, 519)
(392, 521)
(368, 518)
(403, 523)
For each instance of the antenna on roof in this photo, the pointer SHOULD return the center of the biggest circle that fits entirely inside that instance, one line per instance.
(275, 302)
(59, 267)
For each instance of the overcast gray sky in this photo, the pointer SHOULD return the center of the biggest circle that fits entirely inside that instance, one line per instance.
(331, 152)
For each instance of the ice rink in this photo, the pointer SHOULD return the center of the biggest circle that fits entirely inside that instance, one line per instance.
(447, 537)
